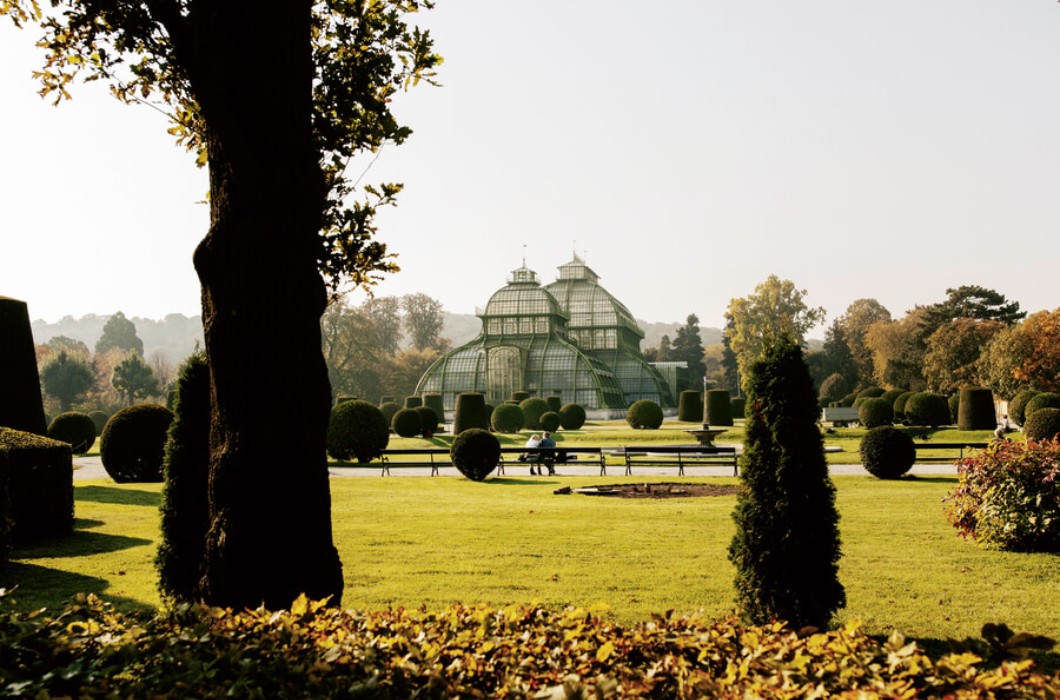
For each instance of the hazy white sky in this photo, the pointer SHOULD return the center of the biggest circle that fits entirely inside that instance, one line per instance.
(686, 150)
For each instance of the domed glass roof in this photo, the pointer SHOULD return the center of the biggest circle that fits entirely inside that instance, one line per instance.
(523, 296)
(586, 303)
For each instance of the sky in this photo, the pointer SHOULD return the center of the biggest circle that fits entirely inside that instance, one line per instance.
(685, 150)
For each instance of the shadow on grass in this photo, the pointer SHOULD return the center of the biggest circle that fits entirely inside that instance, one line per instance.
(125, 497)
(78, 544)
(1047, 662)
(41, 586)
(516, 481)
(941, 479)
(86, 524)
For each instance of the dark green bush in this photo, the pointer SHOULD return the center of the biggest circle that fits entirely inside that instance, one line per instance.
(475, 453)
(870, 392)
(719, 408)
(1044, 424)
(412, 402)
(572, 416)
(21, 406)
(886, 452)
(387, 398)
(1045, 399)
(976, 409)
(533, 408)
(186, 469)
(554, 403)
(488, 409)
(926, 408)
(862, 399)
(470, 412)
(133, 443)
(644, 415)
(406, 423)
(738, 407)
(550, 421)
(690, 406)
(848, 400)
(1018, 404)
(433, 401)
(875, 411)
(953, 404)
(389, 409)
(428, 420)
(74, 428)
(343, 398)
(892, 395)
(507, 418)
(357, 429)
(833, 388)
(36, 487)
(519, 396)
(899, 405)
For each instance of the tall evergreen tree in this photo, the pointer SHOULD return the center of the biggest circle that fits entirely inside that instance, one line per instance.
(730, 367)
(688, 347)
(119, 332)
(786, 546)
(838, 359)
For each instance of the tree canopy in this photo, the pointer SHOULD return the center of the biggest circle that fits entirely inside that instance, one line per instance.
(688, 347)
(119, 332)
(67, 378)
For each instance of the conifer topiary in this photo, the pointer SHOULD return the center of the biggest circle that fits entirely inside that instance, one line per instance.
(572, 416)
(690, 406)
(926, 408)
(975, 410)
(886, 452)
(533, 408)
(412, 402)
(389, 409)
(186, 471)
(519, 396)
(507, 418)
(357, 429)
(786, 547)
(475, 453)
(1044, 424)
(406, 423)
(133, 442)
(428, 420)
(554, 403)
(644, 414)
(433, 401)
(74, 428)
(874, 412)
(470, 412)
(550, 421)
(718, 409)
(1018, 405)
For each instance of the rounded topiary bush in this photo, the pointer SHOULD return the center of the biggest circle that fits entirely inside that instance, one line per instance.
(870, 392)
(887, 453)
(470, 412)
(507, 418)
(892, 395)
(690, 406)
(389, 409)
(433, 401)
(926, 408)
(99, 419)
(718, 410)
(412, 402)
(406, 423)
(1018, 405)
(833, 388)
(428, 420)
(644, 415)
(550, 421)
(1045, 399)
(475, 453)
(357, 429)
(1044, 424)
(571, 416)
(875, 411)
(75, 428)
(848, 400)
(738, 406)
(533, 408)
(519, 396)
(861, 399)
(899, 405)
(554, 403)
(133, 442)
(975, 410)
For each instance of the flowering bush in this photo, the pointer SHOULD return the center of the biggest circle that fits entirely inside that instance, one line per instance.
(1008, 497)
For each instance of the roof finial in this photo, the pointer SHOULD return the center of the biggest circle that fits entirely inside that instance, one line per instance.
(524, 255)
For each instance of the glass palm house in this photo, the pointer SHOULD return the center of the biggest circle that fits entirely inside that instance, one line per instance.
(570, 339)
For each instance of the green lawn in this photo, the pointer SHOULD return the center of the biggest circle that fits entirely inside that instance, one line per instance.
(408, 541)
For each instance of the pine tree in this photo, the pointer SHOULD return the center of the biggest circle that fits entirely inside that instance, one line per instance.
(688, 347)
(119, 332)
(786, 547)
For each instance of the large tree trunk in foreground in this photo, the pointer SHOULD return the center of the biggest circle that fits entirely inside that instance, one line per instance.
(270, 535)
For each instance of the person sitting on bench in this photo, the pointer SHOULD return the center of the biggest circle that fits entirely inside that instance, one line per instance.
(534, 441)
(547, 458)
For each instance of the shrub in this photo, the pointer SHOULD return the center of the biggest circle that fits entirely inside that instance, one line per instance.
(554, 403)
(875, 411)
(412, 402)
(1046, 399)
(1018, 404)
(387, 398)
(738, 406)
(644, 415)
(21, 406)
(186, 469)
(886, 452)
(848, 400)
(976, 409)
(533, 408)
(475, 453)
(719, 408)
(507, 418)
(550, 421)
(925, 408)
(99, 419)
(428, 420)
(343, 398)
(892, 395)
(953, 404)
(833, 388)
(899, 405)
(470, 412)
(488, 408)
(74, 428)
(434, 402)
(690, 406)
(519, 396)
(36, 487)
(389, 409)
(133, 443)
(406, 423)
(860, 400)
(870, 392)
(786, 519)
(572, 416)
(1008, 497)
(357, 429)
(1044, 424)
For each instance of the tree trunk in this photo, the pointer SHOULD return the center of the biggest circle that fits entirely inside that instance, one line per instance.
(270, 533)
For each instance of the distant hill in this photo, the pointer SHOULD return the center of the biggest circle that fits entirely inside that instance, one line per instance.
(174, 336)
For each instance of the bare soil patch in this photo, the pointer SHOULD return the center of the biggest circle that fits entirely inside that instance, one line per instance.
(663, 490)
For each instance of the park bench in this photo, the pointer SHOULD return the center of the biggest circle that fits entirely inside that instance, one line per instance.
(546, 457)
(960, 447)
(679, 456)
(433, 457)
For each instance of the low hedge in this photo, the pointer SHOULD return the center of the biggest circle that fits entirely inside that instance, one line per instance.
(36, 487)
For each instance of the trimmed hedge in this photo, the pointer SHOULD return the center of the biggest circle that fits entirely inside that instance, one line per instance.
(718, 408)
(875, 412)
(690, 406)
(406, 423)
(433, 401)
(870, 392)
(572, 416)
(899, 405)
(519, 396)
(470, 412)
(891, 395)
(1044, 424)
(412, 402)
(21, 406)
(36, 487)
(953, 404)
(550, 421)
(99, 419)
(833, 388)
(644, 415)
(533, 408)
(976, 409)
(507, 418)
(738, 407)
(886, 452)
(1018, 404)
(389, 409)
(77, 429)
(554, 403)
(1046, 399)
(848, 400)
(133, 443)
(357, 429)
(926, 408)
(428, 420)
(475, 453)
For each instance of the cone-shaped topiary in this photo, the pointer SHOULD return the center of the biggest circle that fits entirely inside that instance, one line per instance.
(572, 416)
(899, 405)
(519, 396)
(533, 408)
(550, 421)
(475, 453)
(75, 428)
(389, 409)
(1044, 424)
(925, 408)
(1045, 399)
(507, 418)
(554, 403)
(690, 406)
(875, 411)
(412, 402)
(99, 419)
(644, 415)
(738, 407)
(133, 442)
(870, 392)
(488, 408)
(718, 408)
(976, 409)
(428, 420)
(357, 429)
(433, 401)
(886, 452)
(21, 406)
(786, 546)
(186, 469)
(406, 423)
(470, 412)
(1018, 405)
